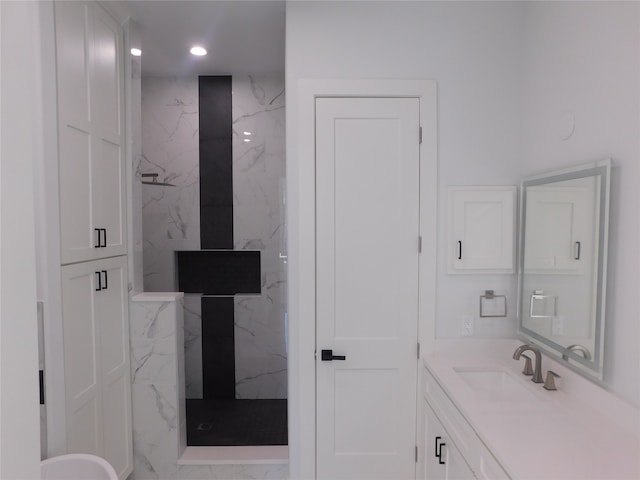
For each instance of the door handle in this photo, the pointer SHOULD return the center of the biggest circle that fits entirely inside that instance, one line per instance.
(459, 249)
(99, 277)
(327, 356)
(97, 244)
(106, 285)
(104, 237)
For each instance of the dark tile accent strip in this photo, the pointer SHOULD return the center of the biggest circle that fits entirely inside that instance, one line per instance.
(219, 272)
(216, 181)
(236, 422)
(218, 349)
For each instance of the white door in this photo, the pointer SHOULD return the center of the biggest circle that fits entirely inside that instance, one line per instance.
(367, 206)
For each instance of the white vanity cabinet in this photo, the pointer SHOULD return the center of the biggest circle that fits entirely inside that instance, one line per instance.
(96, 361)
(465, 456)
(90, 132)
(481, 234)
(442, 459)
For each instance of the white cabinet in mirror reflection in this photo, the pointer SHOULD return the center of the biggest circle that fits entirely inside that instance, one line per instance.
(481, 229)
(560, 227)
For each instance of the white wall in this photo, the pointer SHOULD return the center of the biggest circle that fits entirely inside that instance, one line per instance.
(473, 52)
(583, 57)
(21, 92)
(504, 71)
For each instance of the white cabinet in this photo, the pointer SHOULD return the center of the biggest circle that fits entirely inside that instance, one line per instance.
(96, 360)
(560, 233)
(465, 455)
(442, 459)
(481, 229)
(90, 132)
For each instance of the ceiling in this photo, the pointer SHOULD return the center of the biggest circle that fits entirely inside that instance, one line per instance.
(242, 37)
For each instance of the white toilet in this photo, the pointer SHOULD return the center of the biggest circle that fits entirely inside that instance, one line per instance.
(77, 466)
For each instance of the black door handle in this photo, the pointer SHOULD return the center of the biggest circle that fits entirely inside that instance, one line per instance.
(106, 285)
(99, 277)
(97, 244)
(104, 237)
(327, 356)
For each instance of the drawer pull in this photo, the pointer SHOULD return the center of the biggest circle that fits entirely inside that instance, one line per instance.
(438, 452)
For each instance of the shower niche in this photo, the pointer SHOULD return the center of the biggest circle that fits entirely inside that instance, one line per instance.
(213, 228)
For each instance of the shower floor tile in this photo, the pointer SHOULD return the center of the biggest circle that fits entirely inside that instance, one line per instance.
(236, 422)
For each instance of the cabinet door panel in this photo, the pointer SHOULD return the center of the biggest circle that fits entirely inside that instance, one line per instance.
(481, 229)
(557, 219)
(114, 363)
(81, 359)
(78, 239)
(108, 195)
(84, 428)
(442, 458)
(117, 427)
(73, 59)
(106, 70)
(113, 325)
(91, 158)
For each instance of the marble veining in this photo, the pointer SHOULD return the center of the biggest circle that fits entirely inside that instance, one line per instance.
(171, 215)
(171, 220)
(258, 170)
(157, 391)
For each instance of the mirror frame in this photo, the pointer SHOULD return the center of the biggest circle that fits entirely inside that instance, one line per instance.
(591, 368)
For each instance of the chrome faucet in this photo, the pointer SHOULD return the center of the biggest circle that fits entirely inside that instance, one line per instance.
(537, 373)
(577, 348)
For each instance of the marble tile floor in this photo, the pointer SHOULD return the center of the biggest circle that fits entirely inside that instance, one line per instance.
(236, 422)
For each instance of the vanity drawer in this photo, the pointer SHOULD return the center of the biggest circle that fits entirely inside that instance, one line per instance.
(473, 450)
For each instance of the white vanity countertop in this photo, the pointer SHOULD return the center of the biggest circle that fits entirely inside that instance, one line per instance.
(580, 431)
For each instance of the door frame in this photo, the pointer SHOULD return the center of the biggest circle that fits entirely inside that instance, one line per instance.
(301, 239)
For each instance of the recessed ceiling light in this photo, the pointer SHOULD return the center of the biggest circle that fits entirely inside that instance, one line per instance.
(247, 133)
(136, 52)
(247, 139)
(198, 51)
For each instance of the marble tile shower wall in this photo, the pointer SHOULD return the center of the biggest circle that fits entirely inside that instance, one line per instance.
(171, 219)
(258, 173)
(157, 390)
(170, 215)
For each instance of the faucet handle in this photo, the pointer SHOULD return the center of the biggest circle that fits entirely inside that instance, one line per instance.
(549, 383)
(528, 368)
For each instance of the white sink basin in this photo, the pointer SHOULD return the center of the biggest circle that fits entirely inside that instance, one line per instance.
(494, 385)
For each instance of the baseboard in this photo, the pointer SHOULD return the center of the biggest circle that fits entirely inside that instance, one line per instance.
(245, 455)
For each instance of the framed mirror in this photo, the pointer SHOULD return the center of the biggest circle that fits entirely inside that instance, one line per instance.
(562, 267)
